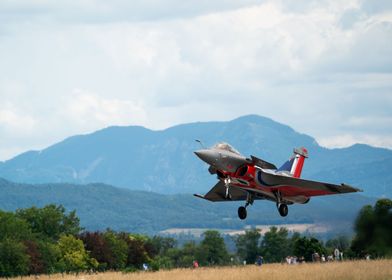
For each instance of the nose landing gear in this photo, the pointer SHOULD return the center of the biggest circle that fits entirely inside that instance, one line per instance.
(227, 182)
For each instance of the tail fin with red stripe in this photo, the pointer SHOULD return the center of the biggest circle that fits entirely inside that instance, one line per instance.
(294, 165)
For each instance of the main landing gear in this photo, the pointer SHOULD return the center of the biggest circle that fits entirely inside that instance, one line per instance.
(242, 213)
(282, 207)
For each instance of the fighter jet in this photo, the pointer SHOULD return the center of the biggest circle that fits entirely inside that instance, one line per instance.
(250, 179)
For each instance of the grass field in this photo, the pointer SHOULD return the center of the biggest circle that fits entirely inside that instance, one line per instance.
(377, 270)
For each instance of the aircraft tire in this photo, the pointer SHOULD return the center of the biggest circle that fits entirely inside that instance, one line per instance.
(283, 210)
(242, 212)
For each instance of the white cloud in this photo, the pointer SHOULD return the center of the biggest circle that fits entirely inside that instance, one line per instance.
(16, 124)
(83, 109)
(15, 131)
(101, 11)
(373, 121)
(346, 140)
(323, 67)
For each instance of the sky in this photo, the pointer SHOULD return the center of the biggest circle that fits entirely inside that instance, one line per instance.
(72, 67)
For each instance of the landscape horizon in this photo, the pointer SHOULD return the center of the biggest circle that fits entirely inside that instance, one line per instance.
(195, 140)
(190, 214)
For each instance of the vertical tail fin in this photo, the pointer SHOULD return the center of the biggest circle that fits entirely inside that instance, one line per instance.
(295, 163)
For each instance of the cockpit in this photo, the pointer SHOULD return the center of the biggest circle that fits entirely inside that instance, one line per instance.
(226, 147)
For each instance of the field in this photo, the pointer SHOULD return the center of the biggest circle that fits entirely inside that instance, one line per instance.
(375, 270)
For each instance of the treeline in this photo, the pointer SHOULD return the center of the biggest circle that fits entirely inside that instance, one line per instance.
(373, 238)
(49, 240)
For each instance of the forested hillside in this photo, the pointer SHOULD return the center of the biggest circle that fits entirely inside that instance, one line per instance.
(102, 206)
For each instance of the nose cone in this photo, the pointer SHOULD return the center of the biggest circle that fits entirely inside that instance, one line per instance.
(207, 156)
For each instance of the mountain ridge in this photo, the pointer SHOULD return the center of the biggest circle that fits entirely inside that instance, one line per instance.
(135, 157)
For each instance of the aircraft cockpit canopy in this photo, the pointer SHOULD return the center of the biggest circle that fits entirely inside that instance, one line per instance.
(226, 147)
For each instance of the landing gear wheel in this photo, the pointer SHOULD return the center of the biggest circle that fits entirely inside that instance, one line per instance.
(283, 210)
(242, 212)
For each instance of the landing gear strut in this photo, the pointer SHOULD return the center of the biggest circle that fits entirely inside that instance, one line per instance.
(227, 182)
(242, 213)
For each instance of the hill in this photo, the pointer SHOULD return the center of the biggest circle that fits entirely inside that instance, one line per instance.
(134, 157)
(101, 206)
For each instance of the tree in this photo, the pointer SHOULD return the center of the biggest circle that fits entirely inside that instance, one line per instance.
(117, 253)
(14, 260)
(97, 245)
(161, 245)
(340, 242)
(292, 241)
(139, 249)
(185, 256)
(306, 246)
(213, 249)
(50, 221)
(275, 245)
(14, 227)
(364, 228)
(373, 229)
(248, 245)
(73, 255)
(51, 257)
(36, 264)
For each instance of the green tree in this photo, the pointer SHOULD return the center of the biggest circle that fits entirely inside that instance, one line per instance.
(139, 249)
(185, 256)
(292, 241)
(306, 246)
(340, 242)
(118, 250)
(275, 245)
(73, 255)
(248, 245)
(213, 249)
(51, 257)
(373, 229)
(14, 227)
(14, 260)
(50, 221)
(161, 245)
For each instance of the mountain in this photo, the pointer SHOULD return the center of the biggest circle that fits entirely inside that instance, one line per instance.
(101, 206)
(162, 161)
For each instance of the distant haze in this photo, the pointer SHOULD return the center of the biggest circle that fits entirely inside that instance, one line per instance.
(72, 67)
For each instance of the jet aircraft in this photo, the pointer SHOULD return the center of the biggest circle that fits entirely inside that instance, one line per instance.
(251, 179)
